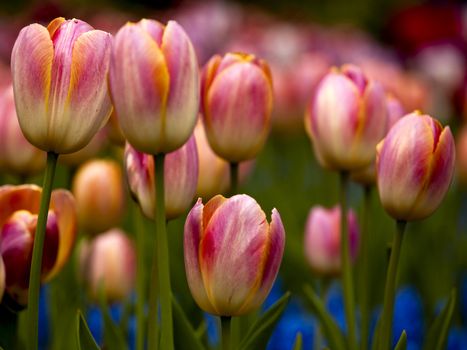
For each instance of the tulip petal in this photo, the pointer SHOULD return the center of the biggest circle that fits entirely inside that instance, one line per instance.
(63, 204)
(14, 198)
(31, 67)
(183, 98)
(139, 81)
(87, 96)
(192, 237)
(271, 263)
(238, 109)
(154, 28)
(207, 76)
(233, 245)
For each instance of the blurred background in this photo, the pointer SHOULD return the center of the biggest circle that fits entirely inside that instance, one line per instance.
(416, 49)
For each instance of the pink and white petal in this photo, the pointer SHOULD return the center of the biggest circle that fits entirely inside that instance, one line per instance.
(88, 102)
(207, 76)
(181, 178)
(238, 111)
(63, 204)
(154, 28)
(184, 88)
(192, 238)
(31, 67)
(439, 180)
(272, 259)
(232, 252)
(139, 82)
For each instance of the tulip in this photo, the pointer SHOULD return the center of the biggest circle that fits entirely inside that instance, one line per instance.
(60, 83)
(18, 219)
(109, 262)
(415, 164)
(323, 237)
(154, 81)
(395, 111)
(236, 101)
(92, 149)
(461, 152)
(100, 198)
(17, 155)
(346, 119)
(180, 175)
(232, 254)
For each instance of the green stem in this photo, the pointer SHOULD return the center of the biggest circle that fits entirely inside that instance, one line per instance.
(140, 276)
(390, 288)
(365, 269)
(225, 325)
(347, 281)
(36, 262)
(161, 267)
(235, 332)
(233, 178)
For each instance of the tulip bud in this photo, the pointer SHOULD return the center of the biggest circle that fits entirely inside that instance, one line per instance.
(154, 81)
(17, 155)
(346, 119)
(236, 101)
(99, 194)
(109, 262)
(323, 239)
(180, 177)
(414, 164)
(232, 254)
(395, 111)
(60, 83)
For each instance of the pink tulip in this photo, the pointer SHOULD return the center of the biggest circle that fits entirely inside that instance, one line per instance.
(180, 177)
(109, 262)
(323, 239)
(99, 194)
(154, 81)
(60, 83)
(17, 155)
(415, 164)
(346, 119)
(232, 254)
(19, 207)
(236, 101)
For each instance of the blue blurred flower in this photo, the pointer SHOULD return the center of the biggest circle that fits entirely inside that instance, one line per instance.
(44, 320)
(212, 329)
(457, 339)
(335, 305)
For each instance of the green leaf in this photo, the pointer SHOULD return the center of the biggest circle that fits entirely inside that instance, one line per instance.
(438, 332)
(298, 342)
(185, 335)
(402, 342)
(84, 338)
(260, 332)
(330, 328)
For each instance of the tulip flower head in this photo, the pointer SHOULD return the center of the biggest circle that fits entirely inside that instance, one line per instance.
(232, 254)
(100, 197)
(154, 81)
(17, 155)
(415, 164)
(236, 93)
(346, 119)
(180, 177)
(109, 262)
(19, 207)
(60, 83)
(323, 239)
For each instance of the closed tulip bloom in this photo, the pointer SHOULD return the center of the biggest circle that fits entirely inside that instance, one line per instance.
(415, 164)
(232, 254)
(99, 194)
(17, 155)
(18, 219)
(237, 97)
(346, 119)
(323, 239)
(154, 81)
(109, 262)
(180, 177)
(60, 83)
